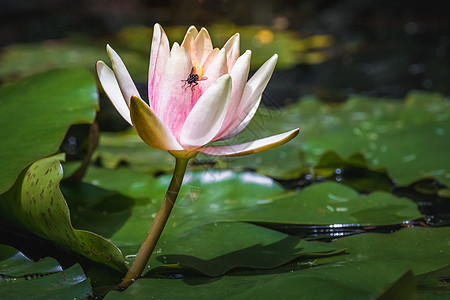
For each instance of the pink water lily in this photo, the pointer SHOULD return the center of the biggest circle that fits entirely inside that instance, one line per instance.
(197, 95)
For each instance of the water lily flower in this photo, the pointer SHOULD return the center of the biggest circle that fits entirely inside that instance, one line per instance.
(197, 94)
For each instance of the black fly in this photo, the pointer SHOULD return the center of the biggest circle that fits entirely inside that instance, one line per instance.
(192, 80)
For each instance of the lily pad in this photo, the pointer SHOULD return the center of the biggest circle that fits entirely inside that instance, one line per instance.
(368, 271)
(408, 138)
(215, 249)
(435, 283)
(419, 249)
(212, 196)
(36, 204)
(45, 279)
(331, 203)
(36, 114)
(127, 147)
(209, 197)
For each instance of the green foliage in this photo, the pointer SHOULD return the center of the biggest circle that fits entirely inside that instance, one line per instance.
(35, 203)
(45, 279)
(406, 138)
(374, 265)
(36, 113)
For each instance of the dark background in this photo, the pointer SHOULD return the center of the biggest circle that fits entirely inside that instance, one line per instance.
(402, 45)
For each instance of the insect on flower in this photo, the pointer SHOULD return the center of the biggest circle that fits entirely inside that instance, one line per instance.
(192, 80)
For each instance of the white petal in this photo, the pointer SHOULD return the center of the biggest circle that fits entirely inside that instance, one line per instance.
(206, 117)
(126, 84)
(217, 69)
(233, 50)
(243, 124)
(203, 45)
(252, 147)
(191, 30)
(252, 93)
(239, 74)
(111, 87)
(150, 128)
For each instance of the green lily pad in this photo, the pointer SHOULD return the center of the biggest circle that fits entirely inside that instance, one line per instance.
(213, 196)
(295, 282)
(374, 264)
(36, 204)
(36, 114)
(188, 239)
(331, 203)
(128, 147)
(208, 197)
(403, 288)
(214, 249)
(23, 279)
(419, 249)
(434, 283)
(407, 138)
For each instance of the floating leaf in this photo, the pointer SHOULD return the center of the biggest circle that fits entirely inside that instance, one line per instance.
(435, 282)
(408, 139)
(24, 279)
(214, 249)
(374, 263)
(128, 147)
(331, 203)
(36, 114)
(208, 197)
(403, 288)
(418, 249)
(35, 203)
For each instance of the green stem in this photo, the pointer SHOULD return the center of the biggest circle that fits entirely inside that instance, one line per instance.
(157, 226)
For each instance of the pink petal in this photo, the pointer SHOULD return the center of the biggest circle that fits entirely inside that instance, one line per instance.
(127, 86)
(151, 130)
(159, 54)
(252, 147)
(252, 94)
(239, 74)
(203, 45)
(175, 99)
(111, 87)
(233, 51)
(207, 116)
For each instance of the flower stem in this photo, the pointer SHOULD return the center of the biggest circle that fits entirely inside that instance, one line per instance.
(157, 226)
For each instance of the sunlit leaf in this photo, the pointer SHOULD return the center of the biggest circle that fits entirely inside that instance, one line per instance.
(36, 204)
(407, 138)
(122, 204)
(36, 113)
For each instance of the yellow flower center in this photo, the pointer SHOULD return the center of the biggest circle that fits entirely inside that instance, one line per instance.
(198, 69)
